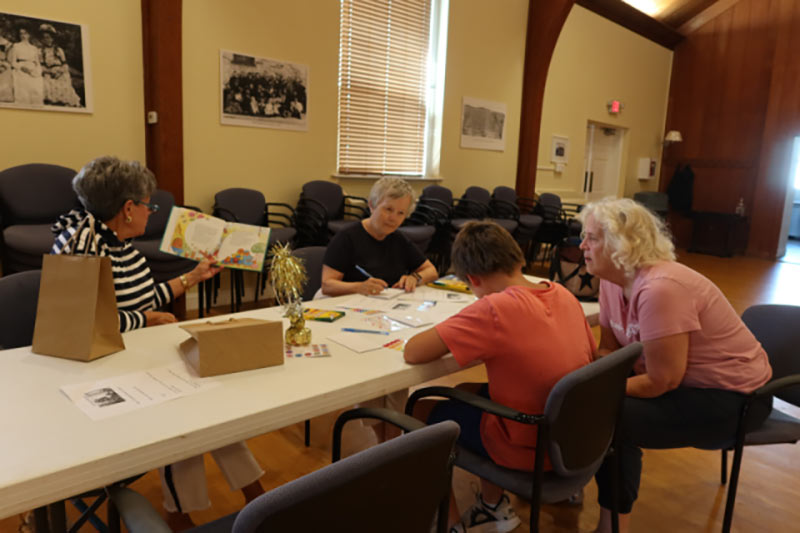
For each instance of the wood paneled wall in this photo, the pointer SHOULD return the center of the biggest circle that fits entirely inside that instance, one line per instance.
(735, 98)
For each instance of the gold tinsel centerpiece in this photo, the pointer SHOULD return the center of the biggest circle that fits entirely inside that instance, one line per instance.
(287, 275)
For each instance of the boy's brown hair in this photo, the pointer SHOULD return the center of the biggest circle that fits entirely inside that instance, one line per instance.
(483, 247)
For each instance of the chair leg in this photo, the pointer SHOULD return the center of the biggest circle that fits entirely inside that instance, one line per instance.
(731, 500)
(308, 433)
(112, 517)
(723, 475)
(41, 522)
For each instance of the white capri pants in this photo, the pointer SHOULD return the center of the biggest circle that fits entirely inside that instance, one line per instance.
(184, 484)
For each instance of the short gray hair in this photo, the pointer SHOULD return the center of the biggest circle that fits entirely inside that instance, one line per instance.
(634, 237)
(389, 187)
(104, 184)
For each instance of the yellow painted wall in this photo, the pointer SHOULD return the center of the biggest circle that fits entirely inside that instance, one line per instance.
(485, 60)
(277, 162)
(117, 125)
(595, 61)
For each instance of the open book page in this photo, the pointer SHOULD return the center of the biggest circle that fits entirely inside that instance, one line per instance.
(243, 246)
(198, 236)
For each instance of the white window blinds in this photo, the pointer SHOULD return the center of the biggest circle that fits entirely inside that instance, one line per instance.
(383, 59)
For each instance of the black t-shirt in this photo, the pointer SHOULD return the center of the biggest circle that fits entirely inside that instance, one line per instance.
(388, 259)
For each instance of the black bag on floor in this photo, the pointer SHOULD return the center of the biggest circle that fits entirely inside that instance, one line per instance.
(568, 268)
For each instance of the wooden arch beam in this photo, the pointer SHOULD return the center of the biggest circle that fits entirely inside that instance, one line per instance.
(545, 20)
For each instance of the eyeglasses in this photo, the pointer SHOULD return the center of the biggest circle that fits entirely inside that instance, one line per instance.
(152, 207)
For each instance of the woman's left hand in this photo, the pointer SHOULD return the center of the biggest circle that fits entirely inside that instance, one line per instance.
(408, 283)
(202, 272)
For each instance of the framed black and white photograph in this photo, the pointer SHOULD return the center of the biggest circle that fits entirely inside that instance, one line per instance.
(263, 92)
(560, 151)
(483, 124)
(44, 64)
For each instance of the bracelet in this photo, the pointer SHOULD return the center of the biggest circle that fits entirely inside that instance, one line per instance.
(416, 275)
(184, 281)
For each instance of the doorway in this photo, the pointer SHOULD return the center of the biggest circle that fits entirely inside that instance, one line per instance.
(602, 162)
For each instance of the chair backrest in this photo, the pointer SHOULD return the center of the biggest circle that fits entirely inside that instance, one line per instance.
(313, 256)
(582, 409)
(506, 194)
(437, 192)
(396, 486)
(328, 194)
(19, 294)
(157, 222)
(549, 207)
(36, 193)
(477, 194)
(247, 206)
(657, 202)
(777, 328)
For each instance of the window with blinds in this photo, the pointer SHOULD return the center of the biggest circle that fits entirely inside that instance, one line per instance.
(383, 86)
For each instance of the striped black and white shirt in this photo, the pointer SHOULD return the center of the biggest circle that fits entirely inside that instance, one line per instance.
(133, 283)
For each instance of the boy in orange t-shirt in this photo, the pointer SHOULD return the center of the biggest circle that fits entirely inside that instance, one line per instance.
(529, 335)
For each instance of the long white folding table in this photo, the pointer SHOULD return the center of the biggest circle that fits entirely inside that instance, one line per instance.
(50, 450)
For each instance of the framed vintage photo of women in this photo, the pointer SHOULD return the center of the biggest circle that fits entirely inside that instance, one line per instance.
(263, 92)
(44, 64)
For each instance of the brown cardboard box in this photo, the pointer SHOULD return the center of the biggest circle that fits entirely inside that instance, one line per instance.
(234, 345)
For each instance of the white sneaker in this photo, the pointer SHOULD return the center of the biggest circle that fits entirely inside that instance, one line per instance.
(485, 518)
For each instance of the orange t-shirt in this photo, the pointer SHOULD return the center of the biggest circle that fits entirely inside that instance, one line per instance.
(528, 340)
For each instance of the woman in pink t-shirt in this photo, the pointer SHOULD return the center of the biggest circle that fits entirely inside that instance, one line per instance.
(699, 358)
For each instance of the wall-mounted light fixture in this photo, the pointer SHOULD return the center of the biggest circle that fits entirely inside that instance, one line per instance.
(672, 136)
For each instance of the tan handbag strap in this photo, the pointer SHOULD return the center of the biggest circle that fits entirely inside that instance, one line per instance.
(72, 242)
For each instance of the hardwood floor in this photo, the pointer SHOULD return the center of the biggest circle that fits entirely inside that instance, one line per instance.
(680, 488)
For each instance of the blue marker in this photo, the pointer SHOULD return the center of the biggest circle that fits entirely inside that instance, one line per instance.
(364, 272)
(355, 330)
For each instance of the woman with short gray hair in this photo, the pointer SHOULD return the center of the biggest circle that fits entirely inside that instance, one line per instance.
(116, 205)
(372, 255)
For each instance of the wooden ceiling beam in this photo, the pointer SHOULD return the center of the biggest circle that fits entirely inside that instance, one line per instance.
(629, 17)
(711, 12)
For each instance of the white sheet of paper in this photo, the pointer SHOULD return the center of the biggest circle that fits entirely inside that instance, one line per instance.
(363, 302)
(411, 317)
(438, 295)
(361, 342)
(129, 392)
(388, 294)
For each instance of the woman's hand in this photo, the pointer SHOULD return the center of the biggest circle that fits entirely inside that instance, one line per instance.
(157, 318)
(408, 283)
(372, 286)
(202, 272)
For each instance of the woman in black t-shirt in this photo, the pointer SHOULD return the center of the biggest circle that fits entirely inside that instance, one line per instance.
(371, 255)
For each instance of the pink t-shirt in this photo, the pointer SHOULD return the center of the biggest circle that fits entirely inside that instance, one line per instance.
(669, 298)
(528, 339)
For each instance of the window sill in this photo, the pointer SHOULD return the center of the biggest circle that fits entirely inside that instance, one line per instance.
(375, 178)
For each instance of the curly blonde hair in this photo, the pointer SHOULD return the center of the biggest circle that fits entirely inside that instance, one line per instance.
(634, 237)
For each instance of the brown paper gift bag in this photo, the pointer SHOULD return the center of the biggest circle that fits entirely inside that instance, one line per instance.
(76, 317)
(234, 345)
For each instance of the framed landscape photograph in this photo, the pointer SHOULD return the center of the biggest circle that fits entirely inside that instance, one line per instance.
(44, 64)
(263, 92)
(483, 124)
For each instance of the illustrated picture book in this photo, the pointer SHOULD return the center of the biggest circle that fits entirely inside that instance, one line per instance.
(198, 236)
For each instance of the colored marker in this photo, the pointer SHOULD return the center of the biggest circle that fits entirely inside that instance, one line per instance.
(355, 330)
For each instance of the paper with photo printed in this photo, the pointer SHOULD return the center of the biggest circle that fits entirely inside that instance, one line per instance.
(198, 236)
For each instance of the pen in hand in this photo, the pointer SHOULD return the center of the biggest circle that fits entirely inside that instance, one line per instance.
(364, 272)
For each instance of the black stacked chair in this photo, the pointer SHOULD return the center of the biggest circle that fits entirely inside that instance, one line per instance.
(554, 228)
(249, 206)
(323, 210)
(505, 214)
(32, 197)
(420, 226)
(436, 202)
(529, 222)
(657, 202)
